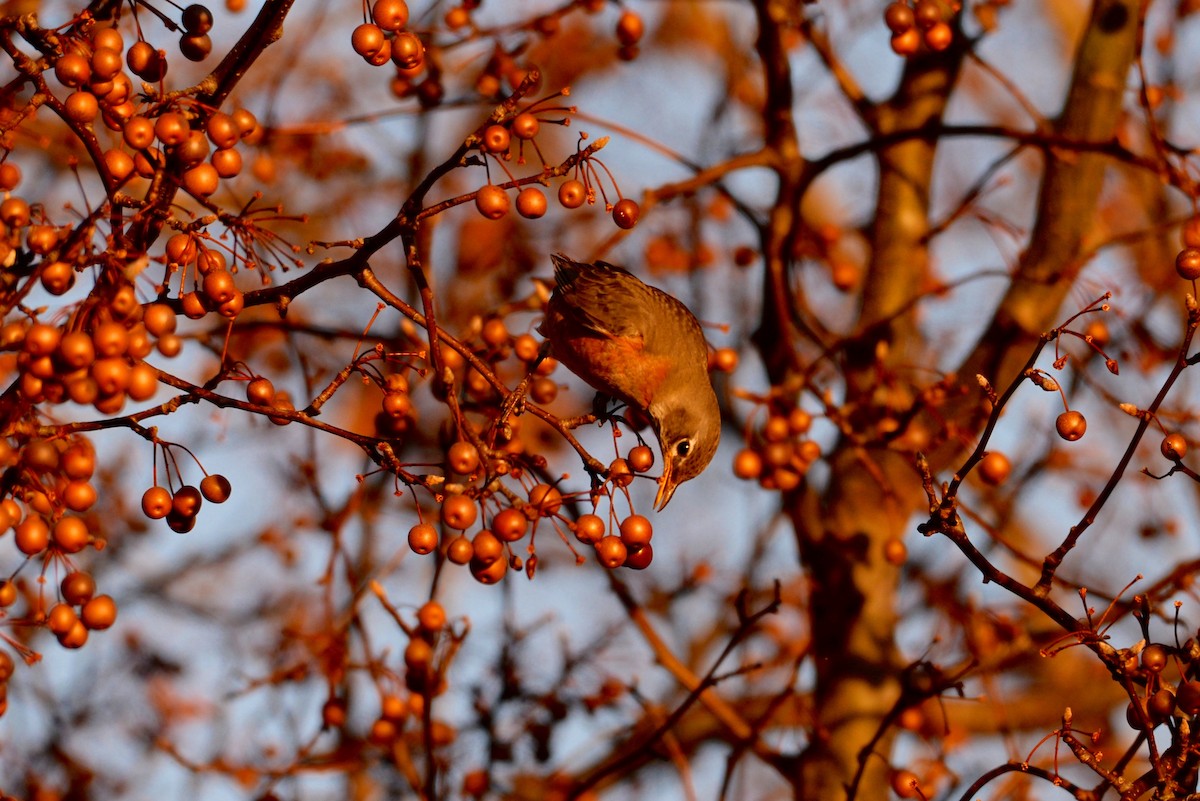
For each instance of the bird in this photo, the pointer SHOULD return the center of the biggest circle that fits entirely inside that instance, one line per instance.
(636, 343)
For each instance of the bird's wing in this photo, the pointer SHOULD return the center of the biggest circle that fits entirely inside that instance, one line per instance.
(601, 297)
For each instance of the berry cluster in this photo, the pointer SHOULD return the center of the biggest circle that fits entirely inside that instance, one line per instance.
(49, 489)
(778, 453)
(385, 38)
(921, 23)
(496, 144)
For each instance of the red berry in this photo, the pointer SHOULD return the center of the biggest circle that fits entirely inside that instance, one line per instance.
(625, 213)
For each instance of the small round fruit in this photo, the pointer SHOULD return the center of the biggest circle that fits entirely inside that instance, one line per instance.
(422, 539)
(1071, 425)
(459, 512)
(78, 587)
(747, 464)
(630, 28)
(1174, 446)
(1187, 264)
(641, 458)
(636, 531)
(10, 176)
(99, 613)
(195, 46)
(431, 617)
(572, 194)
(899, 17)
(32, 536)
(72, 70)
(531, 203)
(488, 573)
(71, 534)
(525, 126)
(367, 39)
(906, 43)
(611, 552)
(905, 784)
(895, 552)
(260, 391)
(486, 547)
(463, 457)
(995, 468)
(186, 501)
(625, 213)
(1188, 697)
(1154, 658)
(216, 488)
(197, 19)
(496, 139)
(391, 15)
(492, 201)
(459, 550)
(939, 37)
(639, 558)
(202, 180)
(546, 499)
(510, 524)
(171, 128)
(589, 529)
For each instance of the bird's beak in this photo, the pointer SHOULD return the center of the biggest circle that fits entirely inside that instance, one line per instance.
(666, 487)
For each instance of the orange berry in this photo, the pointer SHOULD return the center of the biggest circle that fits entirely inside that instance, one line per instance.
(995, 468)
(486, 547)
(459, 550)
(422, 539)
(492, 202)
(431, 617)
(216, 488)
(546, 499)
(459, 512)
(526, 126)
(531, 203)
(611, 551)
(589, 529)
(636, 531)
(463, 457)
(99, 613)
(1071, 425)
(510, 524)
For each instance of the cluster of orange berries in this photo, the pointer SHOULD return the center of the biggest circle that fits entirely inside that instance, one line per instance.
(181, 507)
(385, 39)
(1161, 699)
(778, 454)
(51, 490)
(911, 25)
(488, 553)
(493, 202)
(427, 656)
(96, 356)
(213, 285)
(1187, 262)
(178, 136)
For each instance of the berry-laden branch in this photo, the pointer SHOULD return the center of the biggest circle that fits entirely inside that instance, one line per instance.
(1182, 362)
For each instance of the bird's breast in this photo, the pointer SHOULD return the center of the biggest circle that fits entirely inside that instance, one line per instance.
(618, 366)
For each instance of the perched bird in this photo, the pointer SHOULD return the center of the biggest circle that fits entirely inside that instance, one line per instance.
(640, 345)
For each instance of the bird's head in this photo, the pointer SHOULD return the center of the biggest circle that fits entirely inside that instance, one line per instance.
(688, 425)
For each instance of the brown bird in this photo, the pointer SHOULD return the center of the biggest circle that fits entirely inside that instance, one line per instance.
(640, 345)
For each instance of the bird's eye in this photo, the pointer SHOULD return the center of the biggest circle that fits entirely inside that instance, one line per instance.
(683, 448)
